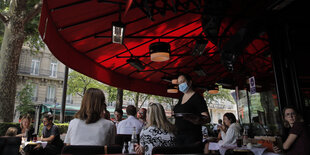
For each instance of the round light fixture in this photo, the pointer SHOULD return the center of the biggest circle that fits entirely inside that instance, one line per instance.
(172, 89)
(174, 81)
(159, 51)
(213, 91)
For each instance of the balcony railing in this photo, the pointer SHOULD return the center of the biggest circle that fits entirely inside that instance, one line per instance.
(42, 72)
(69, 101)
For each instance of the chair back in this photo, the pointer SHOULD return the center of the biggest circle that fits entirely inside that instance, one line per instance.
(90, 149)
(121, 138)
(10, 145)
(197, 149)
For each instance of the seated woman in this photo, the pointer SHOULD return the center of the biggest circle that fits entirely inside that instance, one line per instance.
(157, 132)
(230, 135)
(298, 140)
(89, 127)
(25, 127)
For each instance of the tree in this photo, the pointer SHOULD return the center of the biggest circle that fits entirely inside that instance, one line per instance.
(224, 95)
(165, 100)
(17, 16)
(79, 83)
(136, 97)
(26, 106)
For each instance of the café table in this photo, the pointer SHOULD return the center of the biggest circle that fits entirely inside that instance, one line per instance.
(255, 150)
(25, 143)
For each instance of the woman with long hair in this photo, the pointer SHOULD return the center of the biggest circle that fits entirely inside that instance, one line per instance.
(229, 132)
(157, 132)
(298, 140)
(25, 128)
(89, 126)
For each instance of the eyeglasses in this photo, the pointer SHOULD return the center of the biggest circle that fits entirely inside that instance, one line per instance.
(290, 114)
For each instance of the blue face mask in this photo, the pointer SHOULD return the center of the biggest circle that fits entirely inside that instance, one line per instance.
(183, 87)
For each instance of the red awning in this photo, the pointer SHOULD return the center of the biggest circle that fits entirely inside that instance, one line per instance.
(78, 33)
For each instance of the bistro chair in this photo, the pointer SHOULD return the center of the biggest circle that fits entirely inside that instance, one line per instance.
(10, 145)
(90, 149)
(196, 149)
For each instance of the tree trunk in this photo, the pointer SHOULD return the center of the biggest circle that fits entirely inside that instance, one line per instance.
(119, 98)
(137, 100)
(13, 40)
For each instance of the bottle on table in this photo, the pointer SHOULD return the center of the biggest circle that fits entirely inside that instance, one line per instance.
(245, 137)
(125, 148)
(133, 142)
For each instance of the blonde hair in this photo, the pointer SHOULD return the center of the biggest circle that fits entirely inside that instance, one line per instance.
(26, 117)
(156, 117)
(12, 131)
(92, 107)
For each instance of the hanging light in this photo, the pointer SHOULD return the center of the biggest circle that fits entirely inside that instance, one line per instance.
(118, 29)
(172, 89)
(136, 63)
(213, 89)
(159, 51)
(199, 71)
(200, 46)
(174, 81)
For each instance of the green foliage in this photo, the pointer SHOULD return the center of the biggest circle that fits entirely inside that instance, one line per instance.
(4, 126)
(224, 94)
(132, 96)
(112, 91)
(79, 83)
(164, 100)
(26, 106)
(33, 38)
(62, 127)
(255, 104)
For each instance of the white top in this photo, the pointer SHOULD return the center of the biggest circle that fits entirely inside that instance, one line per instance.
(231, 135)
(126, 126)
(152, 137)
(101, 132)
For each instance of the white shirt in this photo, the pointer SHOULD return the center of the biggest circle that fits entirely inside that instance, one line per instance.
(231, 135)
(126, 126)
(101, 132)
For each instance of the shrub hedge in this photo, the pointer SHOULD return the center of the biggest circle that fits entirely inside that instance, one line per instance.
(63, 127)
(4, 126)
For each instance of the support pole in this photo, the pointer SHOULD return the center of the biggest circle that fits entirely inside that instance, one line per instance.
(64, 96)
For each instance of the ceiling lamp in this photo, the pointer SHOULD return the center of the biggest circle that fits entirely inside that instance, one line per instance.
(213, 89)
(159, 51)
(174, 81)
(172, 89)
(136, 63)
(199, 71)
(200, 46)
(118, 29)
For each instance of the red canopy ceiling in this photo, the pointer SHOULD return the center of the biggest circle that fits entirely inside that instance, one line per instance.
(78, 33)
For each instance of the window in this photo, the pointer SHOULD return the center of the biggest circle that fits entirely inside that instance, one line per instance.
(35, 66)
(35, 92)
(50, 96)
(69, 99)
(53, 69)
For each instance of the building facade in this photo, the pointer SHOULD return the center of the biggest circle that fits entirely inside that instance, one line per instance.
(46, 74)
